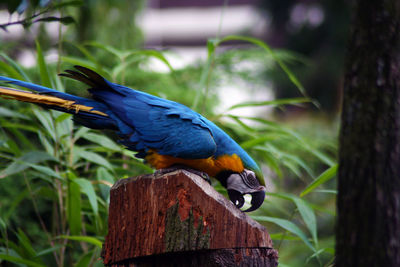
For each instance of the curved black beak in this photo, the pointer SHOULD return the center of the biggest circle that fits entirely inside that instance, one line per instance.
(240, 184)
(257, 199)
(236, 197)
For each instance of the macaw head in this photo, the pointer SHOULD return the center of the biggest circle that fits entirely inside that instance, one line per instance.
(245, 182)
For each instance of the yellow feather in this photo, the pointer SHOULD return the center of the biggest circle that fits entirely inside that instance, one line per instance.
(30, 97)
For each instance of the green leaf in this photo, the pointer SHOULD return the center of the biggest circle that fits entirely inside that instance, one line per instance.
(86, 239)
(86, 53)
(308, 216)
(323, 178)
(103, 175)
(288, 225)
(17, 260)
(316, 254)
(119, 54)
(257, 141)
(13, 148)
(63, 117)
(44, 74)
(326, 191)
(74, 206)
(102, 140)
(266, 47)
(85, 260)
(87, 188)
(4, 112)
(19, 126)
(306, 212)
(81, 132)
(45, 170)
(277, 102)
(46, 143)
(25, 244)
(93, 157)
(47, 122)
(3, 225)
(10, 71)
(24, 162)
(49, 250)
(84, 63)
(21, 75)
(156, 54)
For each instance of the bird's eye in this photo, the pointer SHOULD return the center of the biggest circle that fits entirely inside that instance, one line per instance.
(249, 178)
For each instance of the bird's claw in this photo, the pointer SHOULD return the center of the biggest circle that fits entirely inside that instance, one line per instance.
(182, 167)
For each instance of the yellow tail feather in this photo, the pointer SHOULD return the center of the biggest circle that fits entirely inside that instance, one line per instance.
(30, 97)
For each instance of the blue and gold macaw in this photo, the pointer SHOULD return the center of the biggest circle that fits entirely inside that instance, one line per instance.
(165, 134)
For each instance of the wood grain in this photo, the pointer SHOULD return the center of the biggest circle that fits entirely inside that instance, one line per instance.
(174, 213)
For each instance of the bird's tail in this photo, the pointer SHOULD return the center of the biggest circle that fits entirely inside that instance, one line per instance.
(87, 112)
(53, 102)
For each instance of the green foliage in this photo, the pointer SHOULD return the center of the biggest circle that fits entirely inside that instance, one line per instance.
(37, 11)
(55, 175)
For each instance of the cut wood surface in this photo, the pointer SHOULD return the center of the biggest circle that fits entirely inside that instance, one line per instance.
(179, 212)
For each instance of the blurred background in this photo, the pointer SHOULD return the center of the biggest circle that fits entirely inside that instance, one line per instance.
(267, 72)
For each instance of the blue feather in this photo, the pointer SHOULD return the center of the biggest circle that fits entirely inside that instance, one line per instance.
(145, 122)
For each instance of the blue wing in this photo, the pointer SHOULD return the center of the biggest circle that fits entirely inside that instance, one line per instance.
(148, 122)
(142, 121)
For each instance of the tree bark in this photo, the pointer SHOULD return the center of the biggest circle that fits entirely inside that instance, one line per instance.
(368, 225)
(178, 219)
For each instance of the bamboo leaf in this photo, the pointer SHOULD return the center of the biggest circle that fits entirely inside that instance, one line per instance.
(74, 206)
(25, 244)
(93, 157)
(306, 212)
(18, 260)
(87, 188)
(155, 54)
(85, 260)
(287, 225)
(45, 170)
(84, 63)
(308, 216)
(119, 54)
(323, 178)
(44, 74)
(47, 122)
(266, 47)
(102, 140)
(21, 75)
(48, 250)
(86, 239)
(277, 102)
(103, 175)
(4, 112)
(10, 71)
(24, 162)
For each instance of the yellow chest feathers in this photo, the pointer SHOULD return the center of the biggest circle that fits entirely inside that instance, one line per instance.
(211, 166)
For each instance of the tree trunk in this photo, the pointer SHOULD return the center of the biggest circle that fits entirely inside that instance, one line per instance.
(368, 226)
(178, 219)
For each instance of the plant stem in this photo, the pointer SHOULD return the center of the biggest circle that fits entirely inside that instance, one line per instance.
(42, 224)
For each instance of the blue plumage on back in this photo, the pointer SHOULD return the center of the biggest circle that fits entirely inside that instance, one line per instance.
(163, 132)
(146, 122)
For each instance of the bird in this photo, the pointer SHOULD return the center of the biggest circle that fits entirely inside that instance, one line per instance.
(167, 135)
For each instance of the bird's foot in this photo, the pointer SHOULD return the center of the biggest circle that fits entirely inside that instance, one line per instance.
(183, 167)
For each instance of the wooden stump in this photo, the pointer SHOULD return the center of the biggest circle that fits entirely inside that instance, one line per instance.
(178, 219)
